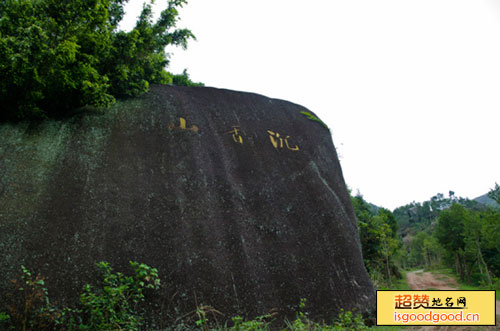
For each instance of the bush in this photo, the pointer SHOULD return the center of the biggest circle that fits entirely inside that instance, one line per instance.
(59, 55)
(184, 80)
(117, 303)
(113, 305)
(30, 308)
(345, 321)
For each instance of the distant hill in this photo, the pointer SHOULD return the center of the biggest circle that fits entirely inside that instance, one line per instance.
(486, 200)
(419, 216)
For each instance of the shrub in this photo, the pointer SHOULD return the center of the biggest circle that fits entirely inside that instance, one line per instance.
(59, 55)
(113, 305)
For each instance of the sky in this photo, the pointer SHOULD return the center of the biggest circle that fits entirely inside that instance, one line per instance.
(409, 88)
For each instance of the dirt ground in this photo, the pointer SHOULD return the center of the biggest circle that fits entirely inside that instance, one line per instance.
(420, 280)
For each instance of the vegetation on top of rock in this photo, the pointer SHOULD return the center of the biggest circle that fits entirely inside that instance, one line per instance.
(315, 119)
(184, 80)
(59, 55)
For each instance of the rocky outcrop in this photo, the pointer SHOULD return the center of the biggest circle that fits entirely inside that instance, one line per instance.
(237, 199)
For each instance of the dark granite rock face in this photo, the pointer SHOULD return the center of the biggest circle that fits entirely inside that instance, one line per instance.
(237, 199)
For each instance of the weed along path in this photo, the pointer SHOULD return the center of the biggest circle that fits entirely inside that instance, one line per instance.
(421, 280)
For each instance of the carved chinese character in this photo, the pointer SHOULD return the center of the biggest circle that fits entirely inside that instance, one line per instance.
(182, 126)
(277, 141)
(236, 135)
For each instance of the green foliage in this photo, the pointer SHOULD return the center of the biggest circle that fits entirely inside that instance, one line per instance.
(345, 321)
(114, 305)
(388, 244)
(402, 283)
(494, 193)
(490, 222)
(415, 217)
(258, 323)
(454, 231)
(4, 320)
(424, 250)
(450, 233)
(30, 308)
(315, 119)
(184, 80)
(59, 55)
(202, 320)
(450, 228)
(379, 241)
(349, 321)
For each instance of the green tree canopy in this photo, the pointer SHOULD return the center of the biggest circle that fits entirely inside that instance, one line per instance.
(450, 233)
(379, 240)
(59, 55)
(494, 193)
(450, 228)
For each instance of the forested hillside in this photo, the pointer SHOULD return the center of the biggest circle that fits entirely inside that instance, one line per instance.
(444, 231)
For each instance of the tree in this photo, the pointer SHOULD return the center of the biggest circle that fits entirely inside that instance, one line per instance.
(490, 222)
(450, 233)
(388, 244)
(184, 80)
(432, 250)
(494, 193)
(473, 238)
(369, 241)
(417, 249)
(59, 55)
(490, 239)
(379, 242)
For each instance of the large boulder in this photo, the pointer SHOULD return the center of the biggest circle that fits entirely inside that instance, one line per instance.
(237, 199)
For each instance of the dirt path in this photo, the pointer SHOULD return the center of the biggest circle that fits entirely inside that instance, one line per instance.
(420, 280)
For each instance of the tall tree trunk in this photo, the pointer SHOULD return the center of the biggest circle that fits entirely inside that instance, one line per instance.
(481, 261)
(467, 271)
(459, 266)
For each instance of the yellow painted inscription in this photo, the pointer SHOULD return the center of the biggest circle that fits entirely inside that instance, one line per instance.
(236, 135)
(182, 126)
(277, 141)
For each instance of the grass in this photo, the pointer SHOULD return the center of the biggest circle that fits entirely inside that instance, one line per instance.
(461, 285)
(467, 287)
(402, 284)
(397, 284)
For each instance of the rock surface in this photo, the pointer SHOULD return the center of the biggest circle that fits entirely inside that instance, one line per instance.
(237, 199)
